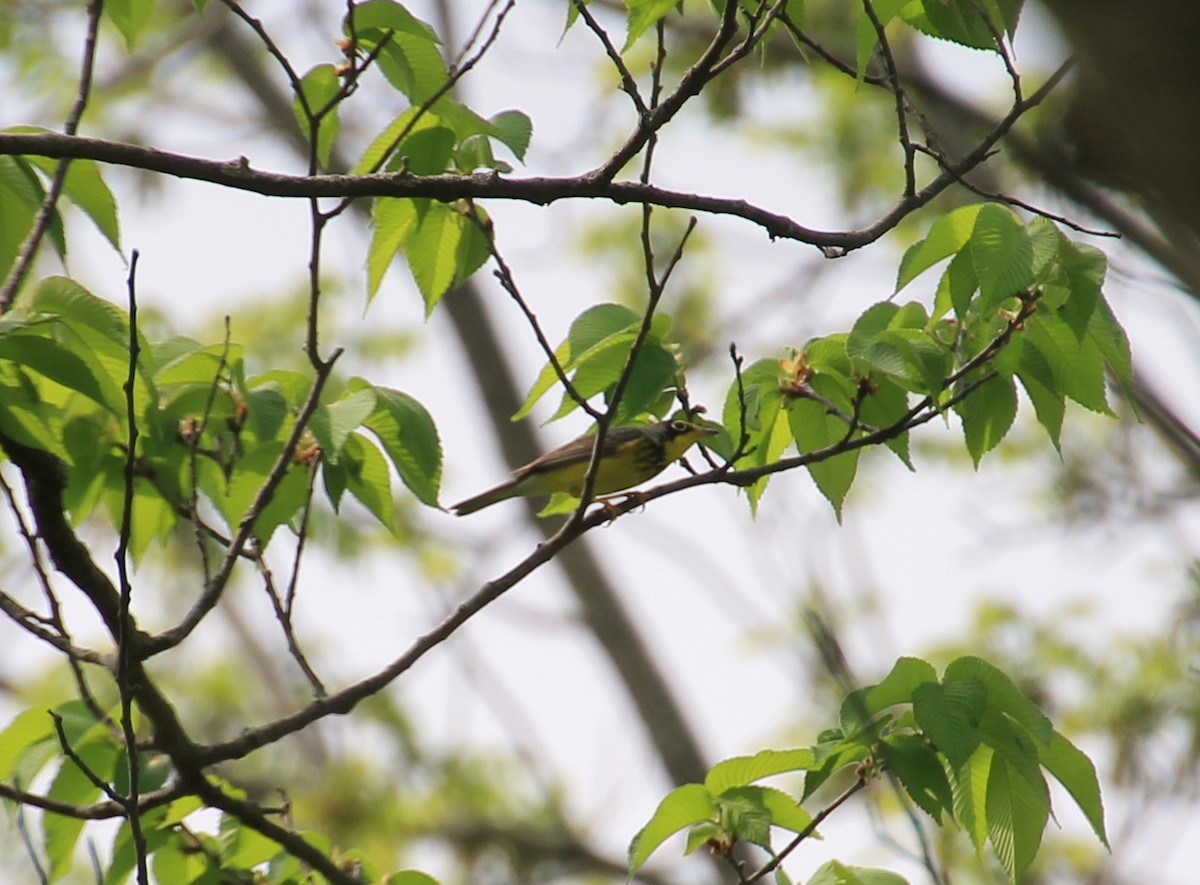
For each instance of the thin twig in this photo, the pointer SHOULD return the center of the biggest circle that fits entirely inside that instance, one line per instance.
(508, 283)
(628, 82)
(817, 820)
(126, 629)
(901, 102)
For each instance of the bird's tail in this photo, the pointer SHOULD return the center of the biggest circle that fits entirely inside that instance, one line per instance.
(500, 493)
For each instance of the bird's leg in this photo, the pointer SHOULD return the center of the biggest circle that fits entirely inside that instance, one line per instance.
(610, 505)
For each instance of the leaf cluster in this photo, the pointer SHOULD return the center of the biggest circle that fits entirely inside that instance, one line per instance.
(968, 749)
(209, 430)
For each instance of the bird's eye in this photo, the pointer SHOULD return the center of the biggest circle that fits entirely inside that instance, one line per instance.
(680, 426)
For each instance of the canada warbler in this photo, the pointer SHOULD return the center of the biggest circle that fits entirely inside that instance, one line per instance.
(630, 455)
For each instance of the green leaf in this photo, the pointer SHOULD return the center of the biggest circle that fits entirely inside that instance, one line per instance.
(742, 770)
(393, 219)
(410, 877)
(962, 21)
(152, 518)
(73, 786)
(834, 872)
(1016, 818)
(384, 15)
(20, 196)
(1084, 268)
(384, 145)
(84, 186)
(249, 473)
(947, 236)
(368, 479)
(413, 64)
(949, 715)
(920, 772)
(765, 426)
(444, 250)
(1107, 334)
(514, 130)
(1038, 380)
(1075, 771)
(53, 361)
(898, 686)
(1077, 365)
(182, 862)
(1002, 694)
(1002, 254)
(315, 110)
(409, 438)
(969, 785)
(123, 856)
(242, 848)
(781, 809)
(987, 414)
(130, 17)
(592, 333)
(682, 807)
(426, 151)
(332, 424)
(642, 14)
(814, 429)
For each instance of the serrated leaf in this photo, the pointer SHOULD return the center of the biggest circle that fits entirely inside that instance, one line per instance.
(383, 145)
(393, 219)
(682, 807)
(130, 17)
(642, 14)
(514, 130)
(249, 473)
(71, 785)
(410, 877)
(1001, 253)
(969, 785)
(1048, 406)
(898, 686)
(814, 429)
(332, 424)
(444, 250)
(766, 429)
(920, 772)
(368, 480)
(834, 872)
(1077, 365)
(1075, 771)
(1084, 267)
(409, 438)
(987, 414)
(18, 208)
(742, 770)
(84, 186)
(1107, 334)
(50, 359)
(947, 236)
(1002, 694)
(1016, 818)
(385, 15)
(962, 22)
(949, 715)
(315, 112)
(598, 329)
(414, 65)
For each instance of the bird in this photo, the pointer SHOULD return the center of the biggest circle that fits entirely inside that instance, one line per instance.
(630, 455)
